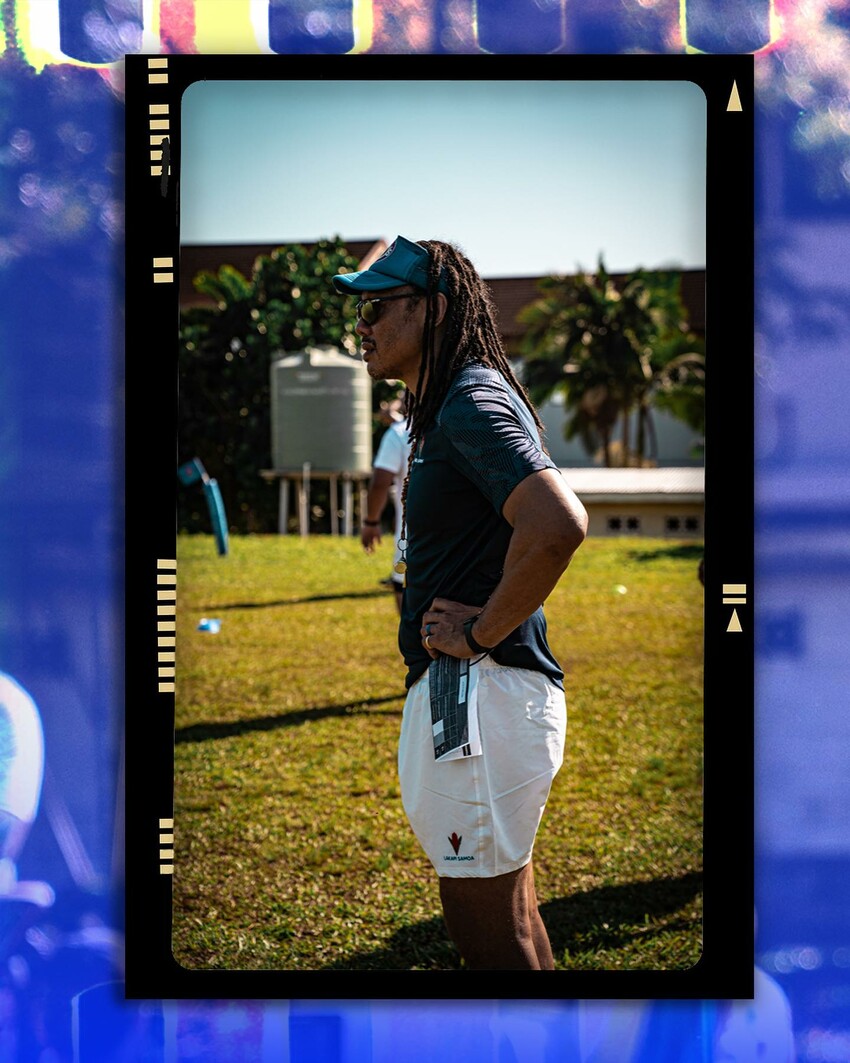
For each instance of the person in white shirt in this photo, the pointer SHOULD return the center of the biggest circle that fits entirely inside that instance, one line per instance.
(388, 471)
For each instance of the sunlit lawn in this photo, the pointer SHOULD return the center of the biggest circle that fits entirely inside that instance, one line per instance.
(292, 848)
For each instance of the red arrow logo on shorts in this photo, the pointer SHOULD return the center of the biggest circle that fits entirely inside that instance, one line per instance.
(456, 842)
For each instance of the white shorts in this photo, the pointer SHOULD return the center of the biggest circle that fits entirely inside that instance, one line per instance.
(477, 817)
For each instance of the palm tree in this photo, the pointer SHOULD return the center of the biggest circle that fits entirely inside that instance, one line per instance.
(613, 351)
(672, 359)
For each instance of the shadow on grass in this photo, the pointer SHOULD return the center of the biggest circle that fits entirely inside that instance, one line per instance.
(425, 946)
(204, 732)
(385, 593)
(613, 916)
(680, 552)
(599, 920)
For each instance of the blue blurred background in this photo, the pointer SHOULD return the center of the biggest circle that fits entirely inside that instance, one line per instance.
(61, 526)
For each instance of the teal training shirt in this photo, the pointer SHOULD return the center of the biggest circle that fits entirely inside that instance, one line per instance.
(482, 444)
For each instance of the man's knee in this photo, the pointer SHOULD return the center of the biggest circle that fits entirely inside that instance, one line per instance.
(501, 901)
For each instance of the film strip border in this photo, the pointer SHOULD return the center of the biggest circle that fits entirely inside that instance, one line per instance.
(706, 27)
(166, 624)
(166, 847)
(159, 120)
(60, 31)
(734, 594)
(163, 270)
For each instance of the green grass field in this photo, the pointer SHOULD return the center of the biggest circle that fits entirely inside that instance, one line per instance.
(292, 849)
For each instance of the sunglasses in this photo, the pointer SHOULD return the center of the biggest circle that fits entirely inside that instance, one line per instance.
(368, 310)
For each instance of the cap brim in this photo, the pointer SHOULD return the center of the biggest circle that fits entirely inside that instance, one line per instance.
(366, 281)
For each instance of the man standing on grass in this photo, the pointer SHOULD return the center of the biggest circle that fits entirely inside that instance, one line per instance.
(489, 527)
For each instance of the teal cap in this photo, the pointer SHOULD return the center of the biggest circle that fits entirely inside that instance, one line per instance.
(403, 262)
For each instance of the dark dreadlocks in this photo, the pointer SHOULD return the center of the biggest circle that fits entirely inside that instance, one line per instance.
(470, 335)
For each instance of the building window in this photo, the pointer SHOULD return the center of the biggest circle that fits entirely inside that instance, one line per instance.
(633, 523)
(692, 524)
(673, 524)
(615, 523)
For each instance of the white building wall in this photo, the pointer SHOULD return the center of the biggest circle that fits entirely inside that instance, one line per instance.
(664, 521)
(676, 442)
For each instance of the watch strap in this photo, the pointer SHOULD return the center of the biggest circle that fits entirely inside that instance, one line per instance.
(476, 647)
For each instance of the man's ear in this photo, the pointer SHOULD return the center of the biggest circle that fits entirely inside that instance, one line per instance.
(441, 305)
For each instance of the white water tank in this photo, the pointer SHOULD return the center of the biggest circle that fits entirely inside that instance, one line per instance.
(321, 412)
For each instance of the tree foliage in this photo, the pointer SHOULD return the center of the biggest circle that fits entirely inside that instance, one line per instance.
(225, 355)
(616, 353)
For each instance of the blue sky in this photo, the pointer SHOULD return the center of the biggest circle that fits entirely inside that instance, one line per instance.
(528, 177)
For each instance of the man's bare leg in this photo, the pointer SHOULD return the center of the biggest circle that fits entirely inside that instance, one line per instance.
(542, 946)
(495, 923)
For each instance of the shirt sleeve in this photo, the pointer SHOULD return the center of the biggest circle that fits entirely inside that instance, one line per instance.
(390, 454)
(493, 444)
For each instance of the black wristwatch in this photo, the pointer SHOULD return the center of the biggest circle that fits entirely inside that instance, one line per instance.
(476, 647)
